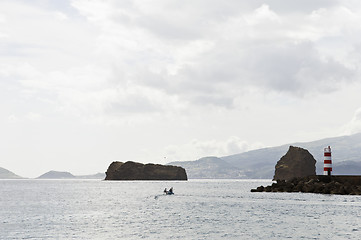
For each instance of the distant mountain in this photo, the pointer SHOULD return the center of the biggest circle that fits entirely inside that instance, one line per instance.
(56, 175)
(93, 176)
(209, 167)
(347, 168)
(260, 163)
(68, 175)
(6, 174)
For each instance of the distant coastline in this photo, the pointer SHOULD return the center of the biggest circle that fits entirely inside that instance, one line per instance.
(6, 174)
(68, 175)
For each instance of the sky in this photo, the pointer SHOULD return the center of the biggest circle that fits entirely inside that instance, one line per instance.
(84, 82)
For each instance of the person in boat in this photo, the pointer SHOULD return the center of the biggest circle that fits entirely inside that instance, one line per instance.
(170, 190)
(165, 190)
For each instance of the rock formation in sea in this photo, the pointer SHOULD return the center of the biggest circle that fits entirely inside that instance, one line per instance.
(297, 162)
(138, 171)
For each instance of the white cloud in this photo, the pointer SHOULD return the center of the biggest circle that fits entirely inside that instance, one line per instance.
(162, 57)
(13, 118)
(61, 16)
(354, 126)
(144, 54)
(261, 15)
(33, 116)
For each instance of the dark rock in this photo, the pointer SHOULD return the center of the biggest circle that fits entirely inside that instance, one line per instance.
(297, 162)
(138, 171)
(358, 190)
(268, 189)
(308, 188)
(258, 189)
(112, 172)
(343, 185)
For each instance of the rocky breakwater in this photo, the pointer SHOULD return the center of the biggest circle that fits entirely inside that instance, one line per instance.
(316, 184)
(138, 171)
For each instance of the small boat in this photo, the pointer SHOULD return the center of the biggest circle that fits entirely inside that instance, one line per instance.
(169, 192)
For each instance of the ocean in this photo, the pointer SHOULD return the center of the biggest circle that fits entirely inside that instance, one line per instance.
(199, 209)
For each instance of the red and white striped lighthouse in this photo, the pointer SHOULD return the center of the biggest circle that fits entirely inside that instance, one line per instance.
(327, 163)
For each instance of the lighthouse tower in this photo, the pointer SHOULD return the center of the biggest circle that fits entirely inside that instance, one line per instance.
(327, 163)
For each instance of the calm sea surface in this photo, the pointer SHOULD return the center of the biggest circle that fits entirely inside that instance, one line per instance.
(200, 209)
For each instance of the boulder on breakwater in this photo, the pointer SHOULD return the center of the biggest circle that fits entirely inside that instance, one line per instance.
(343, 185)
(138, 171)
(296, 163)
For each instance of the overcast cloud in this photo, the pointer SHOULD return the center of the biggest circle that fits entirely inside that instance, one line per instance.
(85, 82)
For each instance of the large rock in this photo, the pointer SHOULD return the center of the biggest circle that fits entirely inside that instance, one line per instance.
(138, 171)
(297, 162)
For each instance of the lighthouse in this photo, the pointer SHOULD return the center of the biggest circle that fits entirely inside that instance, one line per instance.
(327, 163)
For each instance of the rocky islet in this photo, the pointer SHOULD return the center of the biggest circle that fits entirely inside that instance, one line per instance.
(138, 171)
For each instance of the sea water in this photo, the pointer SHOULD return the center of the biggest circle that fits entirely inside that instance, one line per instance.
(199, 209)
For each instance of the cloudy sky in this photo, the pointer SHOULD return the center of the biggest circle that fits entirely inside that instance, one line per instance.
(85, 82)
